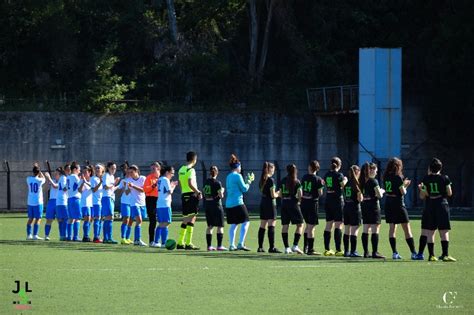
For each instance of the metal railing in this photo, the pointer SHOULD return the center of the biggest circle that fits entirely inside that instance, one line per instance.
(333, 98)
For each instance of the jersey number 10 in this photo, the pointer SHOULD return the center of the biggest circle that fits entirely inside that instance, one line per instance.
(34, 187)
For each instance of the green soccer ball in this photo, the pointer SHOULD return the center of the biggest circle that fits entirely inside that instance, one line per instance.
(170, 244)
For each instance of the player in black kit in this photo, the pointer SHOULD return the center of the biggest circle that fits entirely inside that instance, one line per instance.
(395, 212)
(435, 189)
(334, 181)
(213, 194)
(312, 189)
(370, 209)
(268, 213)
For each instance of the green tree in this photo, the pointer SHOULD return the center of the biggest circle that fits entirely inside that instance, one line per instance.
(104, 92)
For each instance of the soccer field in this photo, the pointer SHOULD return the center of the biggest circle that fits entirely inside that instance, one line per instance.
(69, 277)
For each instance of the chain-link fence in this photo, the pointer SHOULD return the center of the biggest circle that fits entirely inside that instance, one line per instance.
(13, 188)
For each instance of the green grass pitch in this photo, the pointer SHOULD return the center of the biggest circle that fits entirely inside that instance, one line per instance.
(95, 278)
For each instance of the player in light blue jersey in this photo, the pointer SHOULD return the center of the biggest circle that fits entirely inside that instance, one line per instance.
(86, 201)
(109, 183)
(125, 206)
(61, 202)
(74, 203)
(51, 207)
(35, 202)
(236, 210)
(96, 187)
(163, 206)
(137, 201)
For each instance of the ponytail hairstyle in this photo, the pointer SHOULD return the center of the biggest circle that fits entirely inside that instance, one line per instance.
(166, 169)
(36, 169)
(394, 167)
(74, 165)
(60, 170)
(435, 165)
(364, 173)
(234, 162)
(314, 166)
(66, 167)
(213, 171)
(335, 163)
(109, 164)
(265, 174)
(292, 178)
(353, 179)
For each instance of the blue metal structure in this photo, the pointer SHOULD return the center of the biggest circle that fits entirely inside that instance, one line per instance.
(380, 105)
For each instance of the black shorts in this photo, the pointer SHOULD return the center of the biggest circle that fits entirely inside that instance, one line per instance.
(214, 213)
(352, 213)
(395, 211)
(371, 212)
(237, 215)
(436, 215)
(309, 209)
(190, 204)
(267, 209)
(291, 213)
(334, 208)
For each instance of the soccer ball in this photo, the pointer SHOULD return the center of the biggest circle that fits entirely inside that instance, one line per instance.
(170, 244)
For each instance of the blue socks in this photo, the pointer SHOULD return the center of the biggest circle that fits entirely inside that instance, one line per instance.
(35, 229)
(157, 234)
(76, 226)
(28, 229)
(62, 229)
(101, 223)
(129, 231)
(47, 229)
(86, 226)
(138, 233)
(69, 231)
(164, 235)
(123, 230)
(96, 228)
(108, 230)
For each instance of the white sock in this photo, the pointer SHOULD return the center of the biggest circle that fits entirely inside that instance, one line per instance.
(232, 230)
(244, 227)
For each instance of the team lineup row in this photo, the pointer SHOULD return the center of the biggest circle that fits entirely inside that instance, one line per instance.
(89, 195)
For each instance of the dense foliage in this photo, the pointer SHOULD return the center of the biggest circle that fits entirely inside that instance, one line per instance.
(223, 54)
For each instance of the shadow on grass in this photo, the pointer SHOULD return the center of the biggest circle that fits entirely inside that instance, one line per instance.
(101, 248)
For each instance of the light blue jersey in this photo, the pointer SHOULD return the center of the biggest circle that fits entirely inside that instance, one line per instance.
(235, 186)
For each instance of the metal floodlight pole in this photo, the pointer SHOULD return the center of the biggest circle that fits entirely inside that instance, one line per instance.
(9, 190)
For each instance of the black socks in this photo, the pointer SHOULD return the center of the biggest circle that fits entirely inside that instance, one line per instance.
(353, 243)
(220, 236)
(337, 238)
(209, 239)
(411, 244)
(261, 236)
(296, 239)
(285, 239)
(365, 242)
(375, 242)
(271, 236)
(327, 238)
(393, 244)
(346, 243)
(423, 241)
